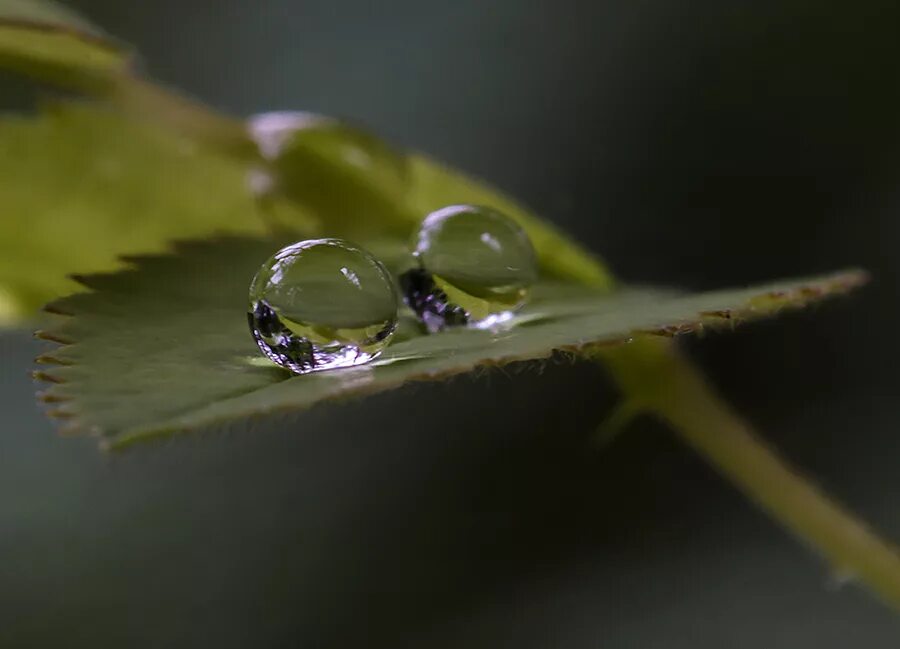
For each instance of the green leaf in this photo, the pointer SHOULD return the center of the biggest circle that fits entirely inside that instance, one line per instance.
(80, 186)
(164, 347)
(46, 40)
(358, 184)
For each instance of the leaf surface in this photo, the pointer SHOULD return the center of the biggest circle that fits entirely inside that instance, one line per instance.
(164, 347)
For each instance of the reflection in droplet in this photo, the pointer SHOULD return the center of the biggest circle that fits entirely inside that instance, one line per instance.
(475, 268)
(321, 304)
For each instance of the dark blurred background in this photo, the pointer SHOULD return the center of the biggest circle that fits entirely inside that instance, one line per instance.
(696, 143)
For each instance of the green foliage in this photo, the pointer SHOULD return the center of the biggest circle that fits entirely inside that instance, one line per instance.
(164, 347)
(357, 185)
(50, 42)
(81, 185)
(85, 183)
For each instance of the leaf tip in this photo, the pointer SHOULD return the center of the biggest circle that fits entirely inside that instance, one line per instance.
(46, 377)
(52, 336)
(50, 396)
(50, 359)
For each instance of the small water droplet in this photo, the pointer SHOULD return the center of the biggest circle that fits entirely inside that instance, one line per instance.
(321, 304)
(475, 268)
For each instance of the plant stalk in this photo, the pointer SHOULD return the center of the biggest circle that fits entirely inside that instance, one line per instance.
(652, 372)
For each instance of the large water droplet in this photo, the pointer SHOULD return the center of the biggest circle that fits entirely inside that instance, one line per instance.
(321, 304)
(475, 268)
(327, 165)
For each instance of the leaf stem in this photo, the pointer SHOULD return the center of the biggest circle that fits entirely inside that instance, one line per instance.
(667, 384)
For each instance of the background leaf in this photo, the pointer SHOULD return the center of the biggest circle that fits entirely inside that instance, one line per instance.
(165, 347)
(83, 183)
(48, 41)
(358, 184)
(80, 185)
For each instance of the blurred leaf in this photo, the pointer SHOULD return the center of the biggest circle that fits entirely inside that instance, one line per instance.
(164, 347)
(351, 177)
(47, 13)
(80, 186)
(359, 184)
(48, 41)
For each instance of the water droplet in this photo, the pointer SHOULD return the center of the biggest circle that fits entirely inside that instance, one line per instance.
(327, 165)
(321, 304)
(475, 268)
